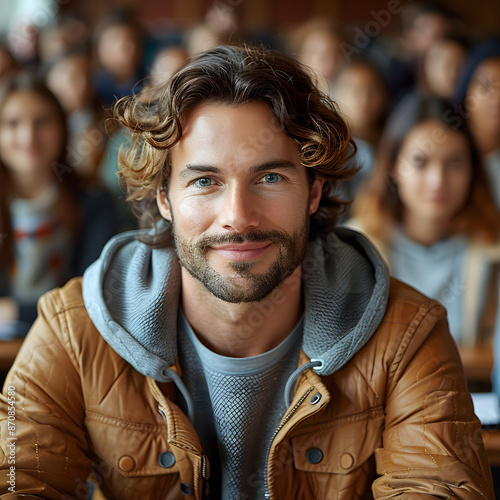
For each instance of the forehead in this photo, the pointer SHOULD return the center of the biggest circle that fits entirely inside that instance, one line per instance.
(243, 134)
(26, 102)
(359, 73)
(434, 137)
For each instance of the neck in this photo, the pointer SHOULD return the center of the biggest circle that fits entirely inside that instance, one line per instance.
(425, 231)
(244, 329)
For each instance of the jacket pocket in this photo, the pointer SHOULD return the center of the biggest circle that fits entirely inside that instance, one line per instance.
(340, 446)
(132, 449)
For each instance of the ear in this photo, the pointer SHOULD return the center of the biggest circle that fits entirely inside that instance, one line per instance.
(316, 193)
(162, 202)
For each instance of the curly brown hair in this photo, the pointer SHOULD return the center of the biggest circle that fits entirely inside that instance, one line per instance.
(233, 76)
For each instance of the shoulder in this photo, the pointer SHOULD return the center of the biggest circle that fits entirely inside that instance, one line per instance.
(414, 330)
(404, 298)
(409, 309)
(61, 299)
(62, 315)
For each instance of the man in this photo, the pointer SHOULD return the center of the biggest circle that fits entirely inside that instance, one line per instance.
(240, 348)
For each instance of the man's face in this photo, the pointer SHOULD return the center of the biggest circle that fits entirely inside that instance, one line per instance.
(239, 201)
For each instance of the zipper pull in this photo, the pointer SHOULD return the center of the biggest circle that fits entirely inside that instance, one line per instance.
(161, 412)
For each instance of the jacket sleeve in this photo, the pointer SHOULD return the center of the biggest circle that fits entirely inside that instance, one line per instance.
(432, 442)
(43, 444)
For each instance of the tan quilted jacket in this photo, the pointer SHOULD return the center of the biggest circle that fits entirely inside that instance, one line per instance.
(395, 422)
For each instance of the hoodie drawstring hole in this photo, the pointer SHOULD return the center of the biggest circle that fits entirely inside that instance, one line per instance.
(318, 364)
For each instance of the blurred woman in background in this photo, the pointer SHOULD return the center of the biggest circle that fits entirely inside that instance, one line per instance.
(427, 207)
(70, 79)
(442, 65)
(318, 45)
(118, 41)
(52, 227)
(478, 101)
(362, 96)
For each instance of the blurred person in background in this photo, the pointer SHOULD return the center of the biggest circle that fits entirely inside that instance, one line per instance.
(362, 96)
(478, 101)
(202, 37)
(8, 64)
(220, 26)
(427, 208)
(52, 227)
(421, 26)
(442, 66)
(223, 19)
(64, 34)
(166, 62)
(118, 42)
(70, 79)
(21, 22)
(152, 367)
(317, 44)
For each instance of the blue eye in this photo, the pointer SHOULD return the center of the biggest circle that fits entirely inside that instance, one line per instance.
(203, 182)
(271, 178)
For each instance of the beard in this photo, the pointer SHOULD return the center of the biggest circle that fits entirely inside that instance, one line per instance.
(246, 286)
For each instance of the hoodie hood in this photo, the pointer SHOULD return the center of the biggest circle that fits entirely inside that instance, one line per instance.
(132, 295)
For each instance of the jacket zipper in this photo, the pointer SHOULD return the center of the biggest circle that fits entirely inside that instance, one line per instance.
(206, 488)
(284, 421)
(204, 475)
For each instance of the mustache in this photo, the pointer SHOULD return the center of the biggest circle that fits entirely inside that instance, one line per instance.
(222, 239)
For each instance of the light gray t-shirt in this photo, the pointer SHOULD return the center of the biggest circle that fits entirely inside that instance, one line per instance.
(239, 403)
(437, 271)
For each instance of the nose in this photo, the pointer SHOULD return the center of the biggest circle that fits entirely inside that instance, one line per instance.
(238, 212)
(436, 176)
(27, 134)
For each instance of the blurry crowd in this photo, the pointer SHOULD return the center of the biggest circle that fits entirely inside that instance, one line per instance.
(422, 101)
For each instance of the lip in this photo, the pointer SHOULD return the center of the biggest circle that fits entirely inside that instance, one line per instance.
(242, 251)
(438, 199)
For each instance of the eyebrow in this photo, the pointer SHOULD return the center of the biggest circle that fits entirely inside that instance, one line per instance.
(191, 168)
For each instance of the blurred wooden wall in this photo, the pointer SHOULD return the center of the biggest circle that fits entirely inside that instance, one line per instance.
(483, 16)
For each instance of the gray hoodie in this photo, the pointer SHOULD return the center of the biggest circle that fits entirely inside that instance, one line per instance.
(132, 296)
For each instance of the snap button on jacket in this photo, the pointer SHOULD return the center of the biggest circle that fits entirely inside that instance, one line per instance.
(395, 422)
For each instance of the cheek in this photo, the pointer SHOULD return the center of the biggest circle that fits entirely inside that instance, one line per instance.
(7, 144)
(462, 188)
(193, 215)
(409, 186)
(477, 108)
(5, 140)
(52, 138)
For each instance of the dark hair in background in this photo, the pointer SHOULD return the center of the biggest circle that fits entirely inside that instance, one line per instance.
(378, 204)
(368, 62)
(479, 54)
(63, 173)
(120, 16)
(413, 10)
(233, 76)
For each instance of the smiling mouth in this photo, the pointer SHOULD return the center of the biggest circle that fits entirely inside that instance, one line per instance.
(242, 251)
